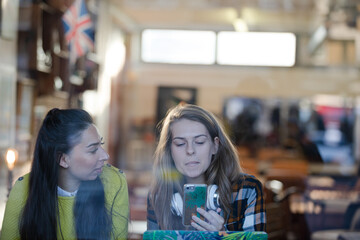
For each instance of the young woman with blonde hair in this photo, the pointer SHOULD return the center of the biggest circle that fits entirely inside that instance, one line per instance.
(193, 148)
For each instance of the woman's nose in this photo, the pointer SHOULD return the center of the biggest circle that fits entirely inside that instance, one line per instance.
(104, 155)
(190, 149)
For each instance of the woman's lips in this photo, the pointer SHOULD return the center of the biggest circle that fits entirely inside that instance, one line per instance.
(192, 163)
(99, 170)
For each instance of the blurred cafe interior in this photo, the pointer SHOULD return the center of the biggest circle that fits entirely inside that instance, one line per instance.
(282, 75)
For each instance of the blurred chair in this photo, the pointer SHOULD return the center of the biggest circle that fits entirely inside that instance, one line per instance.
(268, 154)
(276, 210)
(279, 188)
(349, 236)
(276, 221)
(351, 225)
(290, 166)
(352, 217)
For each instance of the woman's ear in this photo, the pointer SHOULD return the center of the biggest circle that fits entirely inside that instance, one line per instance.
(216, 144)
(64, 161)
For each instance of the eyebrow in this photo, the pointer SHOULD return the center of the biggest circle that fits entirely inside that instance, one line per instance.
(94, 144)
(197, 136)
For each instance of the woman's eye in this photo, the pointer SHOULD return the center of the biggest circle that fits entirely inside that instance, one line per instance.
(200, 142)
(94, 151)
(179, 144)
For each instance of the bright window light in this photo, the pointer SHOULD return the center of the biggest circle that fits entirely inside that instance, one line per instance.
(178, 46)
(256, 49)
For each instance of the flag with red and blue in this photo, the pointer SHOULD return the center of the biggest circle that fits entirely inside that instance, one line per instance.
(79, 30)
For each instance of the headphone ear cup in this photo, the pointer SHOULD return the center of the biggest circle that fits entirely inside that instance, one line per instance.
(177, 204)
(212, 202)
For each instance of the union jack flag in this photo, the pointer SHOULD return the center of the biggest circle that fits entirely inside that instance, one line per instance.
(79, 30)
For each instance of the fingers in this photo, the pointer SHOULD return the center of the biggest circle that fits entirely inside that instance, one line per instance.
(198, 227)
(213, 221)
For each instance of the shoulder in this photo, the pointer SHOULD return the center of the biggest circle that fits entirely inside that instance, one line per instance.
(21, 184)
(247, 187)
(246, 181)
(116, 190)
(109, 172)
(249, 179)
(20, 189)
(112, 177)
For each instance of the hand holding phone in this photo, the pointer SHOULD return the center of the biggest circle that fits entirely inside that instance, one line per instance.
(194, 197)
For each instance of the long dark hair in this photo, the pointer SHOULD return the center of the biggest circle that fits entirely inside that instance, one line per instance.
(223, 170)
(60, 132)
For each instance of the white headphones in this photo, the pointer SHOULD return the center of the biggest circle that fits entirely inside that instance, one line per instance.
(212, 201)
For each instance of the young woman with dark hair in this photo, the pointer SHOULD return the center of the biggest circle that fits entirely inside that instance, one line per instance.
(193, 148)
(69, 193)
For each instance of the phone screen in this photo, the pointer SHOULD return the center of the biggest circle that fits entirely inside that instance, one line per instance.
(194, 197)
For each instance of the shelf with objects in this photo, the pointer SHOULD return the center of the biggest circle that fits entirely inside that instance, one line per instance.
(44, 60)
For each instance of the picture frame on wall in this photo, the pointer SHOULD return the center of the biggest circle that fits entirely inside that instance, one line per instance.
(9, 19)
(169, 97)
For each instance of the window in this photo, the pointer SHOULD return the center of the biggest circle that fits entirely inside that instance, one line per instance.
(178, 46)
(256, 49)
(224, 48)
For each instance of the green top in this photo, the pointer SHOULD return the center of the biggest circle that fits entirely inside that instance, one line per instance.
(113, 180)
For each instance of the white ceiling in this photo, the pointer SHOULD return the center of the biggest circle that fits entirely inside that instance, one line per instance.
(301, 17)
(298, 16)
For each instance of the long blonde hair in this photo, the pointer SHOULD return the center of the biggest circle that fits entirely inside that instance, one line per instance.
(224, 168)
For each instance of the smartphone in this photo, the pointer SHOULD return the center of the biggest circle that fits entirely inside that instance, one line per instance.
(194, 197)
